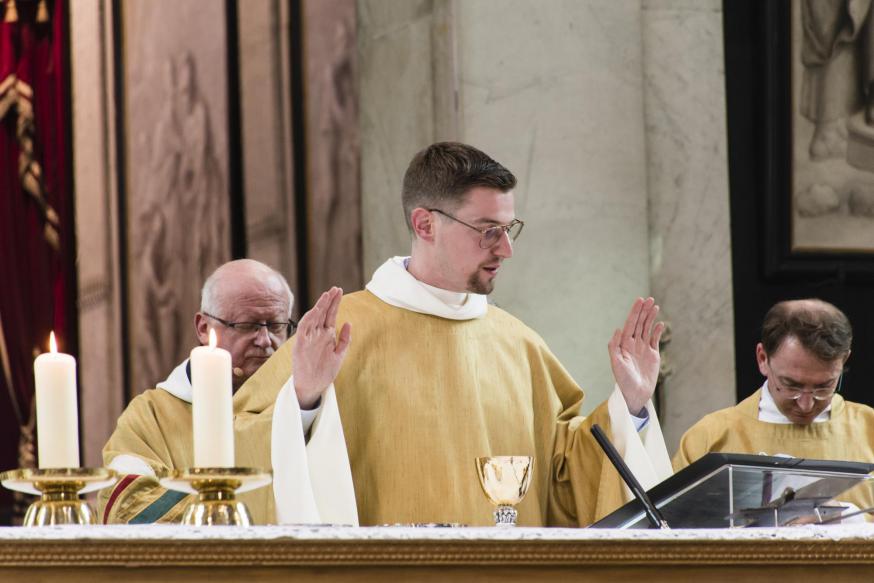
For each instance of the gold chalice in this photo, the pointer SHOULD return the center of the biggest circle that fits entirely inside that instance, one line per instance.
(505, 480)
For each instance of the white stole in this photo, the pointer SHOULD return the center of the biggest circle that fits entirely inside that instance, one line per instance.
(643, 451)
(312, 482)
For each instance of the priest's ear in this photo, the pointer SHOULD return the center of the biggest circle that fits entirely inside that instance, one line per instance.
(201, 328)
(422, 221)
(762, 359)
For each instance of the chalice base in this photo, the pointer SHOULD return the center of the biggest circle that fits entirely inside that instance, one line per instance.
(505, 515)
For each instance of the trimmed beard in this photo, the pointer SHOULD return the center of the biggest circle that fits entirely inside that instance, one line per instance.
(478, 286)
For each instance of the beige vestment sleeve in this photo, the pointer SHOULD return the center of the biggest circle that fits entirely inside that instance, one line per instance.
(585, 486)
(139, 498)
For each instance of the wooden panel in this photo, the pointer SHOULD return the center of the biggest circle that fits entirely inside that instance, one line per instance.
(268, 165)
(430, 560)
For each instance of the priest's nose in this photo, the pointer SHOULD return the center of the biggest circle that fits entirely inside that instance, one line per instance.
(806, 402)
(504, 247)
(262, 338)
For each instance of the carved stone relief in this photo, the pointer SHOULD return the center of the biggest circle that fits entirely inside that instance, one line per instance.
(176, 163)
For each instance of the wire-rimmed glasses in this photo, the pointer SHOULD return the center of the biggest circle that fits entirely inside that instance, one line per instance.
(273, 328)
(489, 236)
(823, 394)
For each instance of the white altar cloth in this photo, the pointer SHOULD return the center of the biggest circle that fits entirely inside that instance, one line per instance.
(389, 533)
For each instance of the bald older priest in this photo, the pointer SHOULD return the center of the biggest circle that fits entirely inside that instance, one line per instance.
(250, 304)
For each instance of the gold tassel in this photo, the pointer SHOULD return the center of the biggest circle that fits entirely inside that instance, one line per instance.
(42, 12)
(11, 12)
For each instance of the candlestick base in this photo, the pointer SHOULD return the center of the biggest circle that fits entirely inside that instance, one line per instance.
(216, 489)
(59, 490)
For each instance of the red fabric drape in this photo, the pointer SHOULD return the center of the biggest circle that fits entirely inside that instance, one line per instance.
(36, 222)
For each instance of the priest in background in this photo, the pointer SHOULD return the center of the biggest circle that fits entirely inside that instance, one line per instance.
(429, 376)
(797, 412)
(249, 304)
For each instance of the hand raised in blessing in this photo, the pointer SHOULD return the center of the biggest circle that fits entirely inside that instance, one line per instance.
(318, 352)
(634, 354)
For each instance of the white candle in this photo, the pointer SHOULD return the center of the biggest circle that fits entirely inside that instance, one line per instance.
(57, 409)
(212, 406)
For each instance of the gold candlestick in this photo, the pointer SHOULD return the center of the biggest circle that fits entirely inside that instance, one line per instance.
(216, 489)
(59, 490)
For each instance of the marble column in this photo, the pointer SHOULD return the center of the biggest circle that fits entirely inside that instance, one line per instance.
(684, 77)
(101, 390)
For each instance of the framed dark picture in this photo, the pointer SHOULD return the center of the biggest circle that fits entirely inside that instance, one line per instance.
(818, 133)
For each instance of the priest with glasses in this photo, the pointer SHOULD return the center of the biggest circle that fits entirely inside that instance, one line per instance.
(798, 411)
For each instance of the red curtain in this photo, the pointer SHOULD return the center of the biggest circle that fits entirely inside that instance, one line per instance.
(37, 279)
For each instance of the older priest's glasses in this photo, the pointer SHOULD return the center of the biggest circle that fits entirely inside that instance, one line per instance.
(489, 236)
(274, 328)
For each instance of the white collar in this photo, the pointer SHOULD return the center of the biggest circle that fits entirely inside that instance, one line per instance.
(450, 298)
(178, 384)
(769, 413)
(396, 286)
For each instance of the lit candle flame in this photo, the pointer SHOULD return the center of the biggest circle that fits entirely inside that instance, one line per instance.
(53, 344)
(212, 339)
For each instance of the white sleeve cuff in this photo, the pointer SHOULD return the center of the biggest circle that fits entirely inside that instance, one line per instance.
(642, 421)
(130, 464)
(307, 418)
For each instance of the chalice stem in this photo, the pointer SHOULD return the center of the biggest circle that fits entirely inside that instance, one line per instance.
(505, 515)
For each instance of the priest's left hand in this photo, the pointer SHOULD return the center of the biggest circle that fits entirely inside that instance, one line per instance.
(634, 354)
(318, 350)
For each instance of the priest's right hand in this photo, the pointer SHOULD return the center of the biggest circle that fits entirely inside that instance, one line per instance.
(318, 352)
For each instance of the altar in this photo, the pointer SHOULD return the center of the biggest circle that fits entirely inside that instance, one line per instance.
(217, 554)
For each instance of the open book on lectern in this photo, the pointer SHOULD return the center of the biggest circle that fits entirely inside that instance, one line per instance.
(723, 490)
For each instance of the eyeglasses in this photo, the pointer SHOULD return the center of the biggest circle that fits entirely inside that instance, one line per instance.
(818, 394)
(489, 236)
(273, 328)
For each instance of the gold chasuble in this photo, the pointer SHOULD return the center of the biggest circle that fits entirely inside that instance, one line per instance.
(421, 397)
(155, 433)
(848, 435)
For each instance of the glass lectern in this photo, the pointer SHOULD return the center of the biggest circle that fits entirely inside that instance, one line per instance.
(724, 490)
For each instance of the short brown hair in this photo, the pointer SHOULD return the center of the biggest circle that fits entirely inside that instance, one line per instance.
(441, 175)
(819, 326)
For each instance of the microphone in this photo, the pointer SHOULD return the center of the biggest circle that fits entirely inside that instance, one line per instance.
(653, 514)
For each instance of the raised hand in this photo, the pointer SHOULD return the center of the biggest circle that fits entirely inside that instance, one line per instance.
(634, 354)
(318, 352)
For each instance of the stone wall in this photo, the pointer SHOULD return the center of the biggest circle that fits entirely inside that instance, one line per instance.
(554, 94)
(612, 115)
